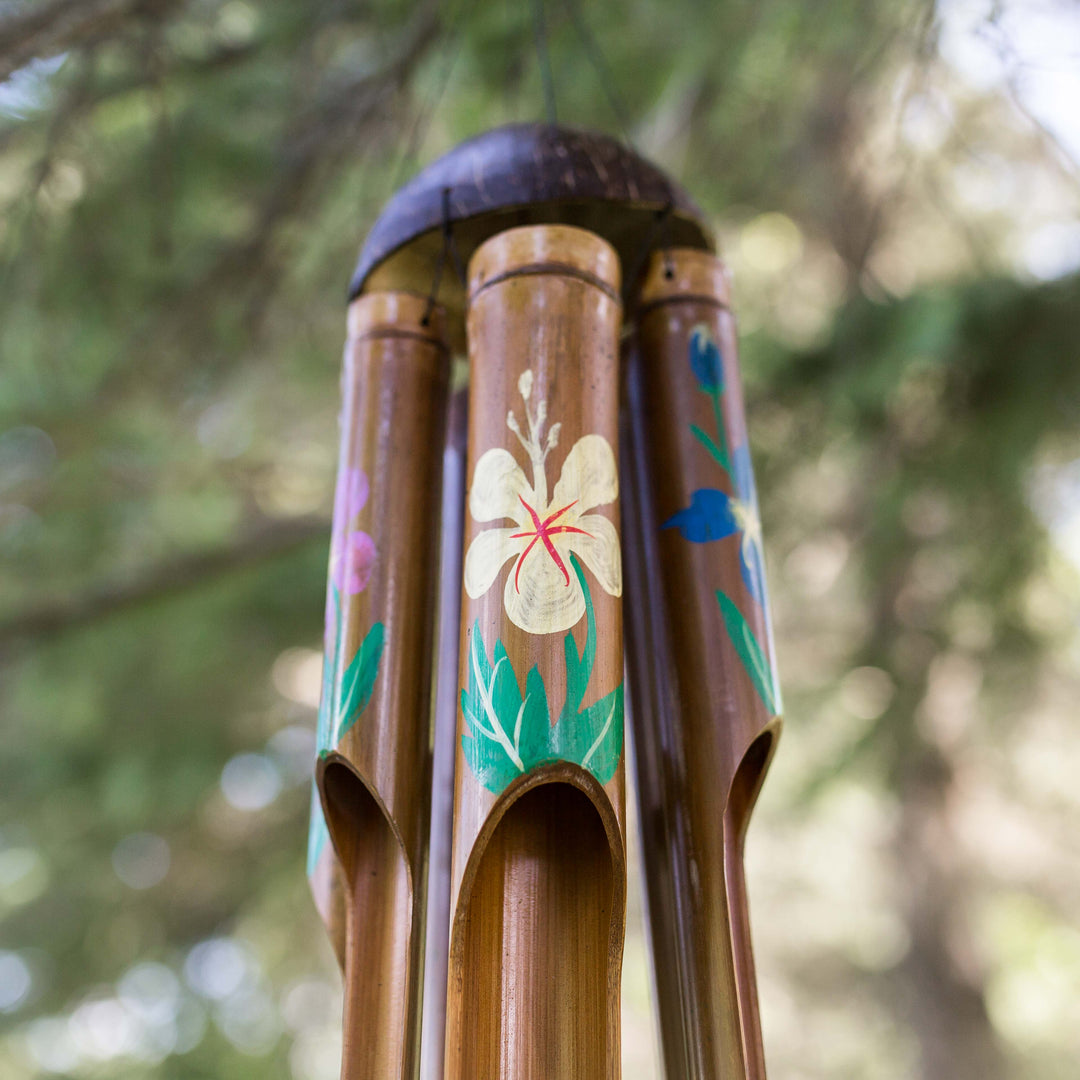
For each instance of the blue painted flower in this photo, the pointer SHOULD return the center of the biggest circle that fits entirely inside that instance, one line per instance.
(714, 515)
(710, 516)
(705, 360)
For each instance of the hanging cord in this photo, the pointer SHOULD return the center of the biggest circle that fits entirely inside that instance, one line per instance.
(449, 248)
(595, 56)
(665, 241)
(452, 43)
(543, 58)
(660, 229)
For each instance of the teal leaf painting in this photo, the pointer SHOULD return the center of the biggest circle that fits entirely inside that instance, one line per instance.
(324, 729)
(510, 733)
(750, 651)
(318, 833)
(593, 736)
(358, 682)
(357, 686)
(506, 730)
(720, 455)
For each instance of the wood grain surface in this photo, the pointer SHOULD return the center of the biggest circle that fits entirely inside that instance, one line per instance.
(702, 669)
(539, 854)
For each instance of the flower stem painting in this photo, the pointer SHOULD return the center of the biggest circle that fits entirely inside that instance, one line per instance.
(715, 515)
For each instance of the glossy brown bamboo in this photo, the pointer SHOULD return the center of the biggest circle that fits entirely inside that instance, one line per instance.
(704, 699)
(436, 957)
(373, 771)
(539, 854)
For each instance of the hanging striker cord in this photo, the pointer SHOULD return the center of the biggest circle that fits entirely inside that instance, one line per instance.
(595, 56)
(660, 229)
(449, 248)
(543, 58)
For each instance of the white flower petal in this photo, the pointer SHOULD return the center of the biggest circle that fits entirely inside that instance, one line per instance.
(497, 483)
(599, 551)
(485, 558)
(588, 475)
(539, 600)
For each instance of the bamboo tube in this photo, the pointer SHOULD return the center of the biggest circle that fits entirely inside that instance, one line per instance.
(539, 874)
(373, 770)
(705, 702)
(433, 1042)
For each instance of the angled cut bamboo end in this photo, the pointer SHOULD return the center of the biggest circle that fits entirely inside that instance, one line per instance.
(371, 822)
(705, 695)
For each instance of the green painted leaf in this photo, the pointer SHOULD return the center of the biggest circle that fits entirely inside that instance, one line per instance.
(579, 668)
(750, 652)
(718, 452)
(325, 728)
(603, 756)
(492, 769)
(318, 834)
(592, 737)
(358, 682)
(537, 747)
(507, 734)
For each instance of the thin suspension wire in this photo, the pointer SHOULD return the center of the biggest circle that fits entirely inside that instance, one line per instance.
(449, 248)
(659, 230)
(427, 110)
(543, 57)
(595, 57)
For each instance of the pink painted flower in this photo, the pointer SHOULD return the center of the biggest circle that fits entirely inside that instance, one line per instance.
(350, 495)
(352, 571)
(352, 551)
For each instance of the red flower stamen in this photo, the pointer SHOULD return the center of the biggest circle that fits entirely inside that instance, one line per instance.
(543, 531)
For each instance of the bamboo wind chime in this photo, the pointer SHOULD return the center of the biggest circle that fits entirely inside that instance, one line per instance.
(484, 543)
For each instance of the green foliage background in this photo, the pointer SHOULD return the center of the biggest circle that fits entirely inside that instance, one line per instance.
(185, 186)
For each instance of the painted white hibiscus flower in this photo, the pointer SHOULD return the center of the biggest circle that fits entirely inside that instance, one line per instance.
(543, 595)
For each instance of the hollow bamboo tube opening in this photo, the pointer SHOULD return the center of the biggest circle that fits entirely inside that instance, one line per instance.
(374, 765)
(539, 859)
(537, 938)
(377, 933)
(706, 705)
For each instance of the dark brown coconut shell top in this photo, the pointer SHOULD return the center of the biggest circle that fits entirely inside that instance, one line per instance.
(524, 174)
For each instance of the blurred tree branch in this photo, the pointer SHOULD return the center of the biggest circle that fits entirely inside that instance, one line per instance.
(168, 579)
(43, 31)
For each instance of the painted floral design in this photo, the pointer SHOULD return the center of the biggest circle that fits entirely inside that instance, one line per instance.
(352, 551)
(510, 733)
(715, 515)
(541, 594)
(352, 560)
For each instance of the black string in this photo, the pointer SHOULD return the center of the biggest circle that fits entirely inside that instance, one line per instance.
(665, 241)
(449, 248)
(543, 58)
(596, 57)
(424, 115)
(660, 228)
